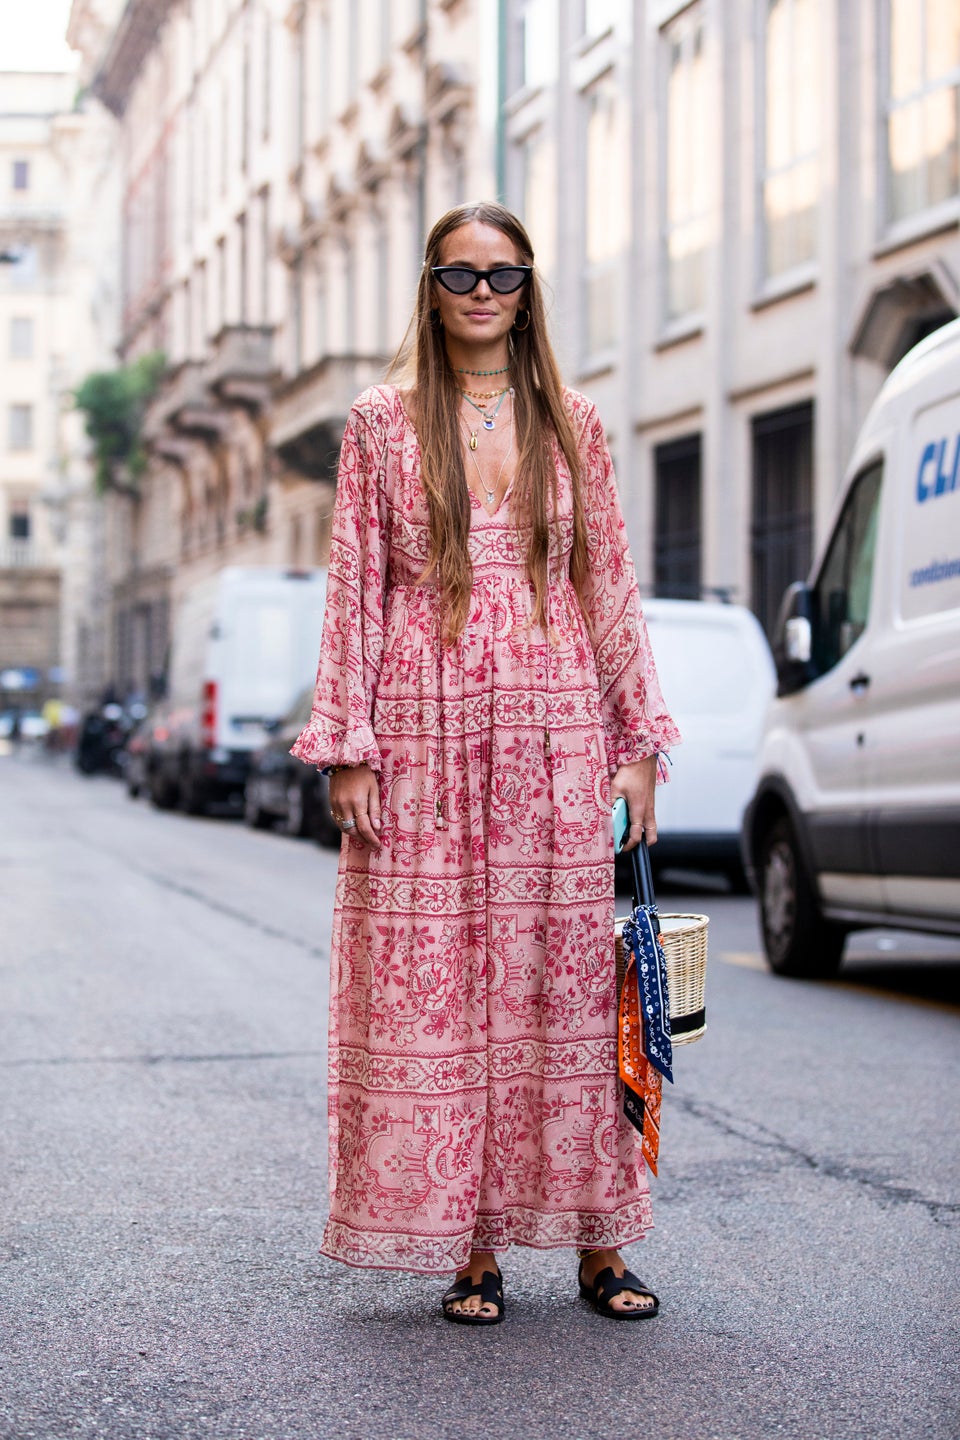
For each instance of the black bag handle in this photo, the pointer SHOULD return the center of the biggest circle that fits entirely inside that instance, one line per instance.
(643, 878)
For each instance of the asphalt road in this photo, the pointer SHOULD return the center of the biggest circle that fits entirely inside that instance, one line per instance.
(162, 1013)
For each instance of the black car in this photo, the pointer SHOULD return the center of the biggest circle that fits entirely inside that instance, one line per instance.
(282, 790)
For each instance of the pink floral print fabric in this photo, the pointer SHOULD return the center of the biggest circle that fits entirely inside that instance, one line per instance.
(474, 1098)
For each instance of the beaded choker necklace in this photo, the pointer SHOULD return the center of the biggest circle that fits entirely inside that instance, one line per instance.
(488, 417)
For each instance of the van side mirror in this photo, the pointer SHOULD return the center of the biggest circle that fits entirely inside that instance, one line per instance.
(793, 640)
(798, 640)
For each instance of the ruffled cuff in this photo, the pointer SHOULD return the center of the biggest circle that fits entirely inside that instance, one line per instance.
(321, 744)
(628, 749)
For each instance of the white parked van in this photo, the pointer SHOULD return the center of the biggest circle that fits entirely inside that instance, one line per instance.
(243, 644)
(718, 678)
(855, 820)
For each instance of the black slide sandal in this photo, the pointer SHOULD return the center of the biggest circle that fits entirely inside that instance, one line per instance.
(490, 1290)
(607, 1285)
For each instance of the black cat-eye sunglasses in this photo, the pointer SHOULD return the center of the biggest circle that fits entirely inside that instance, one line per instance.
(461, 279)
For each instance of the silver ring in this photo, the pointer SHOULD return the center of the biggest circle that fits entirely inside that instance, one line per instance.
(348, 824)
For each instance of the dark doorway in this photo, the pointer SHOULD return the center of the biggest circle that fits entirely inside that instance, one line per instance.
(677, 523)
(781, 533)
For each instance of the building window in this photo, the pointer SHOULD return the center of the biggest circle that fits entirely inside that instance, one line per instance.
(606, 209)
(323, 312)
(265, 256)
(677, 529)
(537, 43)
(789, 103)
(267, 95)
(24, 270)
(782, 527)
(324, 72)
(224, 137)
(21, 427)
(221, 283)
(538, 158)
(244, 264)
(20, 525)
(245, 108)
(599, 16)
(922, 71)
(353, 52)
(21, 337)
(300, 97)
(382, 262)
(296, 317)
(684, 194)
(385, 31)
(349, 297)
(21, 174)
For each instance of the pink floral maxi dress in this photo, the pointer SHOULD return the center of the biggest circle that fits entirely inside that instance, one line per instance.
(473, 1093)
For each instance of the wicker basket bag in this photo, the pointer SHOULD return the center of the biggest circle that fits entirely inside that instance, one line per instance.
(684, 941)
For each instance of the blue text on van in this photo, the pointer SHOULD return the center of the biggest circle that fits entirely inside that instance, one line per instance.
(938, 481)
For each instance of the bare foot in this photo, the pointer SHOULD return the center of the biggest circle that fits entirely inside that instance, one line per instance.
(481, 1262)
(627, 1300)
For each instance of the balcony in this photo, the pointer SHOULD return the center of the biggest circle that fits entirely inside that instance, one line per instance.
(309, 413)
(241, 369)
(184, 406)
(20, 555)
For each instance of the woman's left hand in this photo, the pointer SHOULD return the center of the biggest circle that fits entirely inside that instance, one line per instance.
(637, 784)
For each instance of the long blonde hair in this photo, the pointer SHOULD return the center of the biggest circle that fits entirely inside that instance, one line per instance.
(539, 415)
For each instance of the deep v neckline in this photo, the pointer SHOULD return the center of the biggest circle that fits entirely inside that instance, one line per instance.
(479, 505)
(475, 500)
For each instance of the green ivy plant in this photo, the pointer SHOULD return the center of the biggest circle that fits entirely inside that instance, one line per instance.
(114, 403)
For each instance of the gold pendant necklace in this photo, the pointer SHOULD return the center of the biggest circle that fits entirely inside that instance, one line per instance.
(490, 496)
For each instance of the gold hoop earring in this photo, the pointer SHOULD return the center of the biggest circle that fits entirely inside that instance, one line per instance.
(521, 328)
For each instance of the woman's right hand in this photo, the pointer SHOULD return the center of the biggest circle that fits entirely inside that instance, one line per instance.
(355, 795)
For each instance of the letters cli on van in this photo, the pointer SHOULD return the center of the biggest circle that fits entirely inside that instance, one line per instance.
(932, 478)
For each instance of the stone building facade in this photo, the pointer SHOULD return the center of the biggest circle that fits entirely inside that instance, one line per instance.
(280, 163)
(54, 233)
(748, 211)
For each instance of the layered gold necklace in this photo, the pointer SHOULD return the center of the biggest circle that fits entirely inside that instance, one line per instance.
(491, 495)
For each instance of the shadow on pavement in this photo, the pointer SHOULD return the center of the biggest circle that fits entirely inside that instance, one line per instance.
(921, 978)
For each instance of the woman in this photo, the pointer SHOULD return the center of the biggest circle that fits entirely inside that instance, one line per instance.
(473, 1094)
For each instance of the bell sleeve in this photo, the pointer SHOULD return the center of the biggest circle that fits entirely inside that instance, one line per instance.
(636, 721)
(351, 649)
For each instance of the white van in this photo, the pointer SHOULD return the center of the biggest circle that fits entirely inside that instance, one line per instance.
(855, 820)
(243, 644)
(717, 676)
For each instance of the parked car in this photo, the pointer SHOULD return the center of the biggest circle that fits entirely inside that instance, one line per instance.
(241, 643)
(717, 675)
(855, 821)
(282, 790)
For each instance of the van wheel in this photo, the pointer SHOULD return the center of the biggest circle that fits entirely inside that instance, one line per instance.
(298, 819)
(256, 818)
(193, 800)
(797, 939)
(163, 795)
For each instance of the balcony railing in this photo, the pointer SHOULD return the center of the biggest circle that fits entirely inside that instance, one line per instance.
(241, 365)
(309, 413)
(20, 555)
